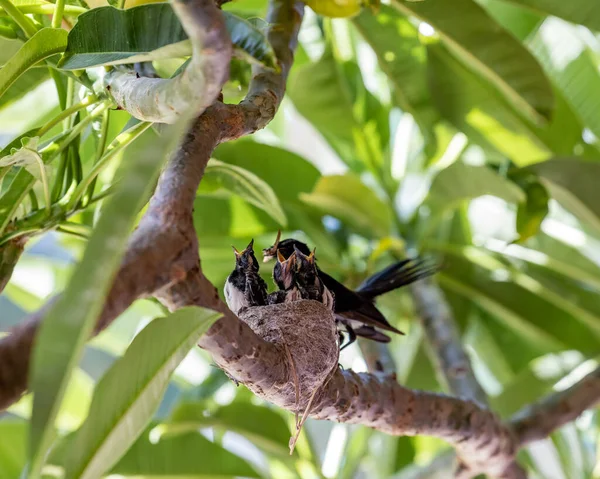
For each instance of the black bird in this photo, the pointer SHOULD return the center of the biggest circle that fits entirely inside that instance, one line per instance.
(244, 286)
(284, 277)
(356, 310)
(309, 283)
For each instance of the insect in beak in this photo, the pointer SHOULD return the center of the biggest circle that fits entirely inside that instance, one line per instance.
(270, 253)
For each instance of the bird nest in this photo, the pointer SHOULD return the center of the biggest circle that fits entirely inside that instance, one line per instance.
(307, 332)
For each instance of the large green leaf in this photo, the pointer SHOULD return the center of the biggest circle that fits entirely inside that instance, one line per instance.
(468, 102)
(44, 44)
(148, 32)
(461, 182)
(331, 95)
(70, 321)
(223, 178)
(574, 183)
(186, 455)
(516, 19)
(568, 59)
(13, 452)
(350, 200)
(285, 172)
(263, 426)
(489, 50)
(130, 392)
(537, 316)
(26, 83)
(583, 12)
(403, 58)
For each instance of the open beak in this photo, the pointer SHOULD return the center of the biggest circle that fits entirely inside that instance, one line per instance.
(270, 253)
(287, 264)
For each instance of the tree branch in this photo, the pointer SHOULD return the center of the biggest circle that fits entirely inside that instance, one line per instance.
(444, 338)
(539, 419)
(451, 359)
(162, 259)
(165, 100)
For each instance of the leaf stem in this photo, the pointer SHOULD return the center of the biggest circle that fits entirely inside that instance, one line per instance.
(44, 178)
(90, 100)
(118, 144)
(46, 9)
(59, 10)
(76, 131)
(18, 16)
(100, 147)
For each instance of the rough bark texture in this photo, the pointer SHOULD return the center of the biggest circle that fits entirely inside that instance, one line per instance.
(162, 260)
(538, 420)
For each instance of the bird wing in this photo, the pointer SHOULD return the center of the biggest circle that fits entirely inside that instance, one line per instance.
(355, 307)
(256, 289)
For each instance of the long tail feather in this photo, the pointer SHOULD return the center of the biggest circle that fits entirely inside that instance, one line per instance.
(397, 275)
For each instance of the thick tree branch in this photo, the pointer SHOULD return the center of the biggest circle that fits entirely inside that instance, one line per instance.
(162, 259)
(451, 359)
(482, 441)
(164, 247)
(538, 420)
(166, 100)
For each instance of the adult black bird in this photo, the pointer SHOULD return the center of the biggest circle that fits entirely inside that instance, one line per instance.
(356, 310)
(284, 277)
(244, 286)
(307, 278)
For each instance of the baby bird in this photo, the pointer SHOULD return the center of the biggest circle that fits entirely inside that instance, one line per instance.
(244, 286)
(308, 281)
(284, 276)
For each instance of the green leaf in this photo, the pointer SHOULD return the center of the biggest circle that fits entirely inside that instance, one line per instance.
(186, 455)
(44, 44)
(148, 32)
(461, 182)
(322, 93)
(488, 49)
(11, 199)
(403, 58)
(131, 390)
(517, 20)
(235, 180)
(568, 59)
(543, 318)
(354, 203)
(573, 182)
(261, 425)
(70, 321)
(582, 12)
(27, 82)
(13, 453)
(469, 103)
(266, 161)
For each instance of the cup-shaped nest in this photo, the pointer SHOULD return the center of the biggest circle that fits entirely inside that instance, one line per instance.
(305, 330)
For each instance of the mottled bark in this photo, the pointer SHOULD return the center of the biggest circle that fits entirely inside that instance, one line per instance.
(538, 420)
(162, 260)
